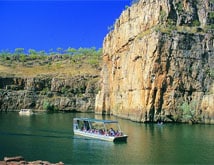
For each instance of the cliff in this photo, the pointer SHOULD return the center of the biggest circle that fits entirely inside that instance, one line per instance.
(75, 93)
(158, 63)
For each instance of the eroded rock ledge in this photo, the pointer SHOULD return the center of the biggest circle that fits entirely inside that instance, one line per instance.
(75, 93)
(19, 160)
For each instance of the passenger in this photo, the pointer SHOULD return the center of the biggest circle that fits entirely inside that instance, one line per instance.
(92, 131)
(117, 133)
(84, 128)
(107, 132)
(101, 132)
(111, 132)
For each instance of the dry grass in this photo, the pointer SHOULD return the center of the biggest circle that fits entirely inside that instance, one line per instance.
(58, 69)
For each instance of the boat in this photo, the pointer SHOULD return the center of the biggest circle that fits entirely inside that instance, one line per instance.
(26, 112)
(108, 130)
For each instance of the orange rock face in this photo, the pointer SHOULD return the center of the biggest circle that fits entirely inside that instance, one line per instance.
(155, 60)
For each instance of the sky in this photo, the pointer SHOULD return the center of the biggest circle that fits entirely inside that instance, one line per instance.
(52, 24)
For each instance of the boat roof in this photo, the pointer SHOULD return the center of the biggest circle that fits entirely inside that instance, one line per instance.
(96, 120)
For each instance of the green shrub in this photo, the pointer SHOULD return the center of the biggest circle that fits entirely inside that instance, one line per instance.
(48, 106)
(33, 56)
(127, 6)
(210, 72)
(44, 91)
(94, 60)
(22, 58)
(179, 6)
(162, 15)
(211, 15)
(65, 90)
(196, 23)
(189, 111)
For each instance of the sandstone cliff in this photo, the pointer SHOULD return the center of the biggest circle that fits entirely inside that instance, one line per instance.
(75, 93)
(158, 63)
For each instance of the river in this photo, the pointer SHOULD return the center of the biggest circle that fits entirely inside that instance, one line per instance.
(49, 136)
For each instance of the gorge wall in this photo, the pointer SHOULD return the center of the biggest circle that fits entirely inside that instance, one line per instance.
(158, 63)
(75, 93)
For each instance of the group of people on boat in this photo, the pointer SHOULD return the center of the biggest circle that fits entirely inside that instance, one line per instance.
(110, 132)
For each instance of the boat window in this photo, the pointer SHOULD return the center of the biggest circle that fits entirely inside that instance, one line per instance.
(98, 126)
(114, 126)
(86, 125)
(82, 125)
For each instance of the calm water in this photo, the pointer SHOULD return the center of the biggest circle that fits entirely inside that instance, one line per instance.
(50, 137)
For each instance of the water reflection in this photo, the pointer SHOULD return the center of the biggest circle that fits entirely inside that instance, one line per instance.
(44, 136)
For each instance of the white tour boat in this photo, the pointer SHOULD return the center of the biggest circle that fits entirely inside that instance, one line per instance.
(108, 130)
(26, 112)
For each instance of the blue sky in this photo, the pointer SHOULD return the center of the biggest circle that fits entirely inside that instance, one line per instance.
(45, 25)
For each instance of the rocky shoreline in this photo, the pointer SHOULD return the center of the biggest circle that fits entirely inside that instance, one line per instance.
(19, 160)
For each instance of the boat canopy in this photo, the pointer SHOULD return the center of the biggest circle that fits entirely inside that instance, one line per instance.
(96, 120)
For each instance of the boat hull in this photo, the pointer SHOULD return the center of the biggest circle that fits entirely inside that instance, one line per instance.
(26, 112)
(102, 137)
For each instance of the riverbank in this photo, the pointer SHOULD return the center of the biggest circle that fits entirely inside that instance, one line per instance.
(19, 160)
(57, 82)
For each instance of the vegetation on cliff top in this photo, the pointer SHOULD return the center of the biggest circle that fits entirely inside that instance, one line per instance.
(60, 63)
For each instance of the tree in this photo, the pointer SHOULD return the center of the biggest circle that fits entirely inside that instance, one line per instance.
(19, 51)
(32, 52)
(51, 51)
(189, 111)
(42, 52)
(87, 51)
(5, 52)
(60, 50)
(71, 51)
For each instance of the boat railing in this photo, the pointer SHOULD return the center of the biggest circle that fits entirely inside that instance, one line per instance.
(106, 132)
